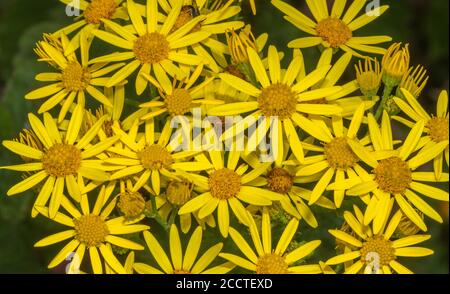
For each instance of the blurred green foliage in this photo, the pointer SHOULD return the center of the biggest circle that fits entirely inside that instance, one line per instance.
(422, 23)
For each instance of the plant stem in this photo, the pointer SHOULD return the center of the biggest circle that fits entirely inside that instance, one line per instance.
(172, 216)
(386, 94)
(155, 215)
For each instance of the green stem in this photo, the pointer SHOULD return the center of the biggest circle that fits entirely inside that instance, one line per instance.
(386, 94)
(155, 215)
(173, 215)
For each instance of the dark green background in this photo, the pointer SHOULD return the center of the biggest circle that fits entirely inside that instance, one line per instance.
(422, 23)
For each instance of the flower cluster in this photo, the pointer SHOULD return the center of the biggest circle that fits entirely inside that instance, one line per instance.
(104, 154)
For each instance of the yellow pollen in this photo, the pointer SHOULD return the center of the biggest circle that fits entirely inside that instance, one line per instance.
(279, 180)
(277, 100)
(393, 175)
(224, 183)
(339, 154)
(74, 77)
(151, 48)
(438, 129)
(154, 157)
(378, 245)
(179, 102)
(91, 230)
(334, 31)
(99, 9)
(62, 160)
(271, 264)
(179, 192)
(131, 204)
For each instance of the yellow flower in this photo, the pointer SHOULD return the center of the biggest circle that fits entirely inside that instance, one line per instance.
(335, 159)
(179, 264)
(65, 161)
(148, 157)
(369, 77)
(278, 99)
(436, 127)
(178, 99)
(238, 44)
(414, 81)
(90, 229)
(334, 29)
(376, 252)
(395, 64)
(151, 47)
(269, 261)
(394, 176)
(227, 185)
(74, 79)
(94, 14)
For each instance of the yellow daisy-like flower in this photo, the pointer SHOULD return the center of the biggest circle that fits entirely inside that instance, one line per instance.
(66, 161)
(281, 178)
(394, 176)
(227, 185)
(376, 252)
(269, 261)
(278, 99)
(151, 47)
(334, 29)
(90, 229)
(436, 127)
(336, 158)
(179, 264)
(148, 157)
(74, 79)
(178, 99)
(94, 13)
